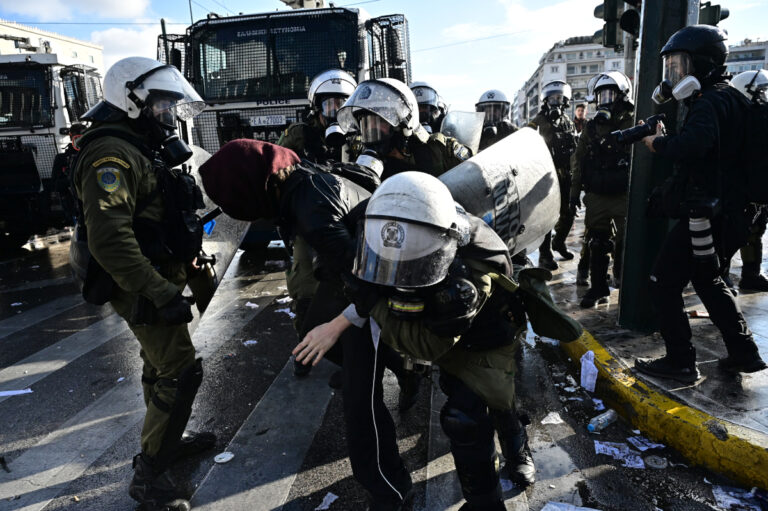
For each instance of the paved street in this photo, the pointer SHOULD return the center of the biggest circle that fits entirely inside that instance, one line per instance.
(68, 445)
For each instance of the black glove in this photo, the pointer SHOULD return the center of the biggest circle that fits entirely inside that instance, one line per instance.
(176, 312)
(362, 294)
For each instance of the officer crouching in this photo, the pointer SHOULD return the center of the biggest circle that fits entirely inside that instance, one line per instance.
(136, 235)
(437, 283)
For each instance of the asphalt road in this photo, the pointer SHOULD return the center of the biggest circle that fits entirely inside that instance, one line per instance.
(68, 445)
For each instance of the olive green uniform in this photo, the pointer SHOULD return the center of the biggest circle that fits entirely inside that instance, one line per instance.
(606, 213)
(560, 137)
(111, 178)
(437, 156)
(307, 139)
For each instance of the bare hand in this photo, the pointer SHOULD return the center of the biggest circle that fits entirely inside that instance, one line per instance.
(319, 340)
(648, 141)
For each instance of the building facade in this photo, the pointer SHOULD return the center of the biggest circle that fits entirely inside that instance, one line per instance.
(573, 61)
(747, 56)
(21, 39)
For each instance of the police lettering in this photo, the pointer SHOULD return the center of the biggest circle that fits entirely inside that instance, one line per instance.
(263, 31)
(506, 205)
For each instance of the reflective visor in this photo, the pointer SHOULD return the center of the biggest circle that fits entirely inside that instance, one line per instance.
(330, 106)
(494, 112)
(425, 95)
(400, 254)
(555, 99)
(676, 65)
(606, 96)
(427, 113)
(373, 128)
(163, 109)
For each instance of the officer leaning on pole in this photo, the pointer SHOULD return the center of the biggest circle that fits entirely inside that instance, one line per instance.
(708, 197)
(252, 180)
(438, 285)
(496, 125)
(134, 247)
(319, 140)
(753, 84)
(601, 168)
(559, 133)
(432, 108)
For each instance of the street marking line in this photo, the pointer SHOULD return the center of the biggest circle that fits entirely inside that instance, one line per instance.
(266, 464)
(43, 471)
(38, 314)
(722, 446)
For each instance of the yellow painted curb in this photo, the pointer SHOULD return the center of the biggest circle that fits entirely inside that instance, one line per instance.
(724, 447)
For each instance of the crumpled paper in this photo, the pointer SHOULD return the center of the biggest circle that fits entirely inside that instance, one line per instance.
(588, 371)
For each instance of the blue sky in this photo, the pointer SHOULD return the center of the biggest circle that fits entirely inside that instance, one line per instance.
(515, 32)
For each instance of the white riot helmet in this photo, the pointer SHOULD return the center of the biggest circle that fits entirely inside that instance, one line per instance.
(495, 106)
(556, 93)
(329, 90)
(134, 84)
(411, 232)
(378, 108)
(429, 102)
(610, 87)
(753, 84)
(590, 97)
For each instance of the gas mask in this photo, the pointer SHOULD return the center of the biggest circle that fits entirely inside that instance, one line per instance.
(335, 136)
(159, 113)
(606, 98)
(371, 160)
(677, 79)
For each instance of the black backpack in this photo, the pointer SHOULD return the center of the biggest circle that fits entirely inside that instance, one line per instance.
(756, 151)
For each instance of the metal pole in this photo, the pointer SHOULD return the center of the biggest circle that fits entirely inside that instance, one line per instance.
(191, 19)
(660, 19)
(165, 41)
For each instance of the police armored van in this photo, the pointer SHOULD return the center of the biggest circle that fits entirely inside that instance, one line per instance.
(40, 99)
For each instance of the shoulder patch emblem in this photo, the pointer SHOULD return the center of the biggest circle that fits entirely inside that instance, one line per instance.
(112, 159)
(109, 179)
(461, 152)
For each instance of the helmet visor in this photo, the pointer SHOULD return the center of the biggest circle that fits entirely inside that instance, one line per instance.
(426, 95)
(607, 96)
(329, 107)
(163, 109)
(555, 99)
(378, 98)
(677, 65)
(400, 254)
(373, 128)
(427, 113)
(494, 112)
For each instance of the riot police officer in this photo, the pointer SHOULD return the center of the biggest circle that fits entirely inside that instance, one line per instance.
(601, 168)
(559, 133)
(753, 84)
(496, 125)
(432, 108)
(320, 138)
(253, 180)
(708, 197)
(133, 248)
(384, 112)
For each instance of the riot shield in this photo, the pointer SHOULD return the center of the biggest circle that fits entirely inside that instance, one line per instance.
(512, 186)
(221, 240)
(466, 127)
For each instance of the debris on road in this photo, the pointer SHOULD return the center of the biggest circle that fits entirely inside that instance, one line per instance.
(564, 506)
(6, 393)
(329, 499)
(643, 444)
(122, 378)
(552, 418)
(656, 462)
(283, 301)
(588, 371)
(287, 311)
(250, 342)
(599, 406)
(602, 421)
(698, 314)
(16, 304)
(224, 457)
(506, 485)
(252, 305)
(728, 497)
(620, 451)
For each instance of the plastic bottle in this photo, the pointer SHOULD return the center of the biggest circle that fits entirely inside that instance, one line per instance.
(602, 421)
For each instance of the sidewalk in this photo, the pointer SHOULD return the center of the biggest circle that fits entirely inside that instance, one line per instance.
(720, 422)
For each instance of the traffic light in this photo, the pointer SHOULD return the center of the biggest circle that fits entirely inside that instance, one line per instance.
(712, 14)
(608, 12)
(630, 18)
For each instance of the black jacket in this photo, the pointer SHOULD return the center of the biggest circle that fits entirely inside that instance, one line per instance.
(315, 203)
(709, 147)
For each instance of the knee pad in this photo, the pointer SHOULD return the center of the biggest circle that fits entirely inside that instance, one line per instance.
(458, 426)
(600, 241)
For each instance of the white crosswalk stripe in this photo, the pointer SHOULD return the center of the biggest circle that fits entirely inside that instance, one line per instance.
(37, 314)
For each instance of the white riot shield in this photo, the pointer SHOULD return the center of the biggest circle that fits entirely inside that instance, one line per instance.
(221, 239)
(466, 127)
(513, 187)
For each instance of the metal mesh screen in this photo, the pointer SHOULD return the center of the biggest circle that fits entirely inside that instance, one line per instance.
(276, 55)
(390, 47)
(25, 97)
(175, 44)
(82, 90)
(43, 148)
(214, 128)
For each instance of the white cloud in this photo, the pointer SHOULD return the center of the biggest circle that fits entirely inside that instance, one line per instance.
(55, 10)
(119, 43)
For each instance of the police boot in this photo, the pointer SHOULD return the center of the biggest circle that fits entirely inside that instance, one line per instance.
(191, 444)
(599, 291)
(513, 438)
(558, 245)
(752, 279)
(153, 488)
(546, 259)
